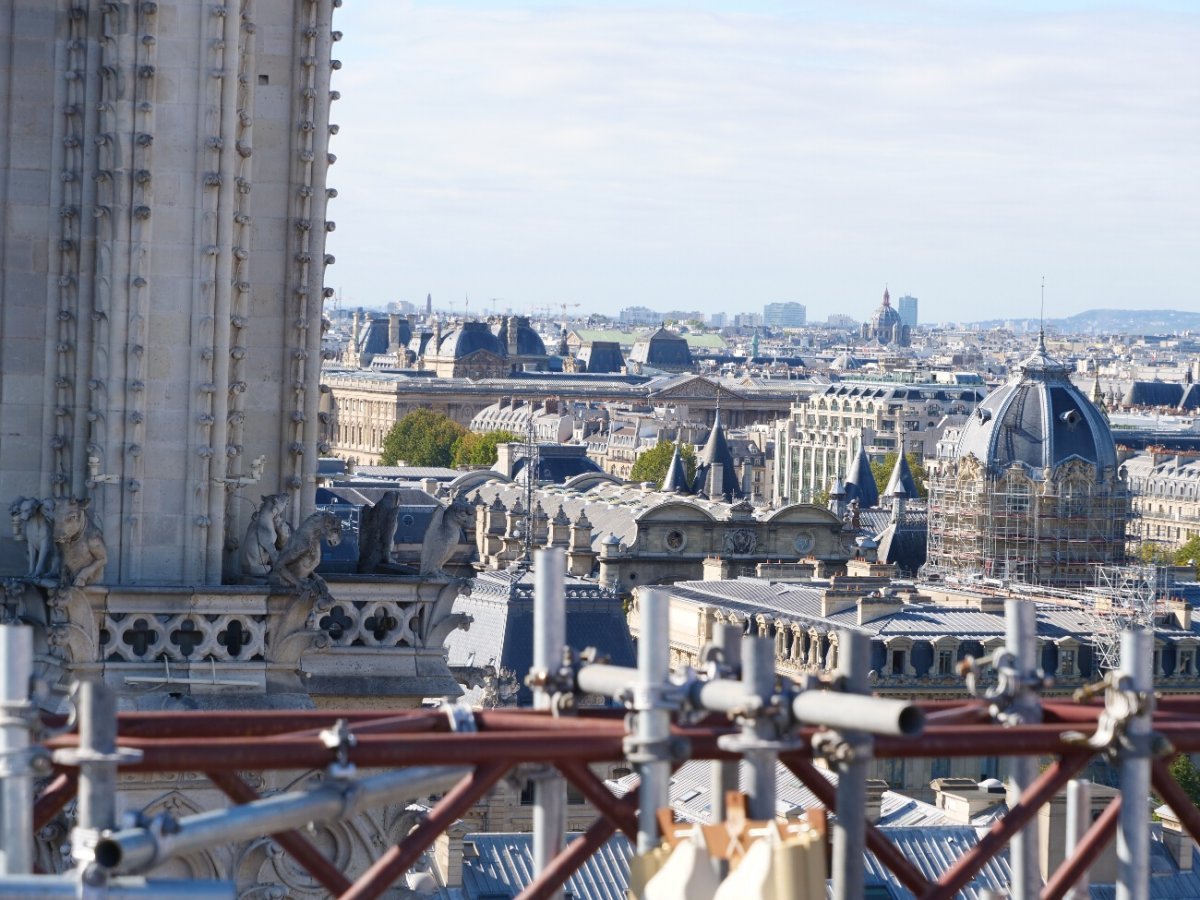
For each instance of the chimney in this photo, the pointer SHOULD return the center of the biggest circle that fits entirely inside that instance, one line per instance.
(393, 332)
(1181, 612)
(716, 569)
(448, 852)
(1176, 839)
(874, 805)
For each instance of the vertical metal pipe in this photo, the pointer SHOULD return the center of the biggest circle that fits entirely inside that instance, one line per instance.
(1133, 831)
(758, 766)
(849, 831)
(1020, 638)
(1079, 820)
(16, 787)
(549, 637)
(97, 707)
(652, 721)
(728, 638)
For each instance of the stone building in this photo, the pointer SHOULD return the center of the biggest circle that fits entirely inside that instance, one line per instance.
(819, 440)
(629, 536)
(1165, 494)
(1032, 490)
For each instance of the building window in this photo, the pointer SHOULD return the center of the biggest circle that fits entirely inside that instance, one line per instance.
(1187, 662)
(1066, 662)
(897, 662)
(945, 663)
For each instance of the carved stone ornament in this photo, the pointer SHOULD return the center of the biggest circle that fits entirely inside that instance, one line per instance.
(266, 535)
(445, 532)
(80, 544)
(33, 523)
(741, 541)
(296, 565)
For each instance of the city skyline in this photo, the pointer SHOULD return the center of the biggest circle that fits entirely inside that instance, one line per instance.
(719, 156)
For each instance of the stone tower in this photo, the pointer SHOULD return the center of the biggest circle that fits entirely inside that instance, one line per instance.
(162, 256)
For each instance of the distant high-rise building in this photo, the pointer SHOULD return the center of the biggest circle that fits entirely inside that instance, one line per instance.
(908, 310)
(784, 315)
(639, 315)
(841, 320)
(428, 305)
(747, 320)
(717, 320)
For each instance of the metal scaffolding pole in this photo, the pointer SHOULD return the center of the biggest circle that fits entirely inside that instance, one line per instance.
(652, 719)
(849, 830)
(1133, 832)
(1020, 619)
(16, 774)
(1079, 820)
(136, 850)
(759, 742)
(728, 639)
(549, 638)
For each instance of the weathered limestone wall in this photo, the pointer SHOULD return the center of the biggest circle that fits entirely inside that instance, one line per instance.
(163, 202)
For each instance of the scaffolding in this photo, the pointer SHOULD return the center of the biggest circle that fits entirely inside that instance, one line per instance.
(1015, 528)
(460, 754)
(1123, 598)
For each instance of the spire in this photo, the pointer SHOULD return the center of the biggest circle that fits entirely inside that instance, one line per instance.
(902, 483)
(860, 482)
(716, 453)
(676, 477)
(887, 298)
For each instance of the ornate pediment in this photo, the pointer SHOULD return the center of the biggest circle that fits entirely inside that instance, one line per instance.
(695, 388)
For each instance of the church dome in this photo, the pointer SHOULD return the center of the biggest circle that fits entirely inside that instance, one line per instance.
(468, 338)
(1039, 419)
(885, 317)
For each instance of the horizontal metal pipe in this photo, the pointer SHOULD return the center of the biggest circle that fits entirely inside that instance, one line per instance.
(296, 844)
(724, 696)
(36, 887)
(876, 715)
(135, 850)
(606, 680)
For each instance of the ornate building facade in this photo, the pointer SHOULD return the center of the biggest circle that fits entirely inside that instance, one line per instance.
(1032, 490)
(886, 325)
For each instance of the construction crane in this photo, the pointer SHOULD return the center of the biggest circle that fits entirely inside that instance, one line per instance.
(565, 307)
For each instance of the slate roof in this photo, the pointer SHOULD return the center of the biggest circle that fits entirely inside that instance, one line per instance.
(501, 633)
(860, 481)
(1153, 393)
(502, 866)
(1040, 419)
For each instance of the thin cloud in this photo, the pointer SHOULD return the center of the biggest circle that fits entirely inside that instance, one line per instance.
(766, 156)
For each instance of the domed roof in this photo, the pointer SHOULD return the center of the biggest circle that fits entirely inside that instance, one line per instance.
(885, 316)
(1040, 419)
(468, 338)
(529, 342)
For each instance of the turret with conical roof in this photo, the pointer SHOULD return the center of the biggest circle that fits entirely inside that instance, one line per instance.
(715, 474)
(860, 481)
(676, 478)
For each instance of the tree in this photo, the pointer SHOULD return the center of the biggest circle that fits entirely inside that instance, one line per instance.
(652, 464)
(422, 438)
(1186, 776)
(480, 449)
(882, 470)
(1188, 554)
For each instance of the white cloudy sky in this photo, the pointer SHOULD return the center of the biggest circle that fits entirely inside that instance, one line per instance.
(722, 155)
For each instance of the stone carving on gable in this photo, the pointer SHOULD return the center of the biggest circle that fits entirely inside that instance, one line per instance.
(266, 535)
(741, 541)
(296, 565)
(444, 534)
(33, 523)
(80, 544)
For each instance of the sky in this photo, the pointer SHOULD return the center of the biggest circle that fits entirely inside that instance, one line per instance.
(720, 156)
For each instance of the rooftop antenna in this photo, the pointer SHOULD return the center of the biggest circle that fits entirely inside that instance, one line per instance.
(1042, 318)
